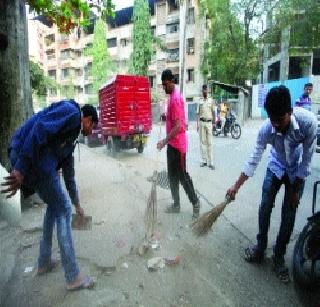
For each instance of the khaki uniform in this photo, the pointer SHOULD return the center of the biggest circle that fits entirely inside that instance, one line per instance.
(206, 111)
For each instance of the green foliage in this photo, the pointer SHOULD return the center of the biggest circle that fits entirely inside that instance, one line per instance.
(101, 65)
(301, 17)
(142, 38)
(232, 56)
(39, 82)
(67, 14)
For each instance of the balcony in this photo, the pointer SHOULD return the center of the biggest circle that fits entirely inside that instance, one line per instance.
(173, 18)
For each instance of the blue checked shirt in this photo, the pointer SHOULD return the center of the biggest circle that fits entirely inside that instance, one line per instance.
(290, 153)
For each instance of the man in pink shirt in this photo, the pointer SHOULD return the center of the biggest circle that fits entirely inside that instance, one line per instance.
(177, 147)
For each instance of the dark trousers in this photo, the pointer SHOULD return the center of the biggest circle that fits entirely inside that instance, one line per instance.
(270, 188)
(177, 173)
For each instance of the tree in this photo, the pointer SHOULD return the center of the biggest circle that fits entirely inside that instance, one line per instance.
(300, 17)
(232, 53)
(40, 83)
(15, 90)
(142, 38)
(101, 64)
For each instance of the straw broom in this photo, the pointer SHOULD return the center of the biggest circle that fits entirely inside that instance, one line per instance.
(151, 211)
(204, 223)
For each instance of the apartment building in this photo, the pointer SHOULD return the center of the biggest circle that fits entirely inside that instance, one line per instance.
(62, 58)
(182, 30)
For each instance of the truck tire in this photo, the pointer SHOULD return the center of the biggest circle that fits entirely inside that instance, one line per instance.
(140, 148)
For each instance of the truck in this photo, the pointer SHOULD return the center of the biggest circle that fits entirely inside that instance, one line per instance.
(125, 112)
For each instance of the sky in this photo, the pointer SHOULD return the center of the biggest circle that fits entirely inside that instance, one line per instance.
(122, 3)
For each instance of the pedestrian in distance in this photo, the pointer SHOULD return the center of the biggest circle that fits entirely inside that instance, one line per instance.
(291, 134)
(205, 118)
(43, 145)
(304, 101)
(176, 142)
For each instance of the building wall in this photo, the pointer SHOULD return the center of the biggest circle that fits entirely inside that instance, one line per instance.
(162, 20)
(295, 87)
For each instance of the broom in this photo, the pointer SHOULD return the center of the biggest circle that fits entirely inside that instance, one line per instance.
(204, 223)
(150, 217)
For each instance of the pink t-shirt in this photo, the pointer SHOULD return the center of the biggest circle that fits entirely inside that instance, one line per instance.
(175, 110)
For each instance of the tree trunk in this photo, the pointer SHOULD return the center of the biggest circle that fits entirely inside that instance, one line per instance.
(15, 90)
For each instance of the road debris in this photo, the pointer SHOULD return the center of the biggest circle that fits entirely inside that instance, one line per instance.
(156, 263)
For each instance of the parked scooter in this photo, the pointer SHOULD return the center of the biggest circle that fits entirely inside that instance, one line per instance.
(230, 125)
(306, 254)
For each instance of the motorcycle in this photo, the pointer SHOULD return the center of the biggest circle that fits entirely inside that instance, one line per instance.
(306, 254)
(230, 125)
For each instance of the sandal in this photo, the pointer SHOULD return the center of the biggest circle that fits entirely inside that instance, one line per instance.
(48, 268)
(282, 272)
(86, 283)
(253, 255)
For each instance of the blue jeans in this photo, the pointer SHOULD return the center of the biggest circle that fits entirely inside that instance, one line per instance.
(58, 211)
(270, 188)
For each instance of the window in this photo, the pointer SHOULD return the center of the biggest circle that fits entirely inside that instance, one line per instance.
(78, 90)
(112, 42)
(176, 78)
(190, 73)
(191, 16)
(172, 28)
(124, 42)
(152, 80)
(52, 74)
(49, 39)
(173, 55)
(88, 89)
(65, 54)
(79, 72)
(88, 71)
(190, 46)
(51, 55)
(65, 73)
(153, 30)
(52, 92)
(77, 53)
(172, 5)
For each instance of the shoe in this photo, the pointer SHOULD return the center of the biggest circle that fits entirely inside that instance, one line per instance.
(212, 167)
(196, 210)
(253, 255)
(172, 209)
(203, 164)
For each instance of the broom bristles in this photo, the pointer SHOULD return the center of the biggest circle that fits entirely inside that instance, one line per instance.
(204, 223)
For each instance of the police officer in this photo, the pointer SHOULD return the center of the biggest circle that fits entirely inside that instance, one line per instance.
(206, 114)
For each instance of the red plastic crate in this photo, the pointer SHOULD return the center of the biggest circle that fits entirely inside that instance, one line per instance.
(125, 106)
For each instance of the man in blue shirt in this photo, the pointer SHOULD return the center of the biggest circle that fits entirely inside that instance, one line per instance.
(38, 149)
(292, 135)
(304, 100)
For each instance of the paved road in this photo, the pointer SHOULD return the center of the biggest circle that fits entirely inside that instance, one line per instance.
(212, 271)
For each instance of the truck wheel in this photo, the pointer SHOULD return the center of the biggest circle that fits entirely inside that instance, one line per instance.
(140, 148)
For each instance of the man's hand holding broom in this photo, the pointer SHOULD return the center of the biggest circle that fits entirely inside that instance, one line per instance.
(233, 190)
